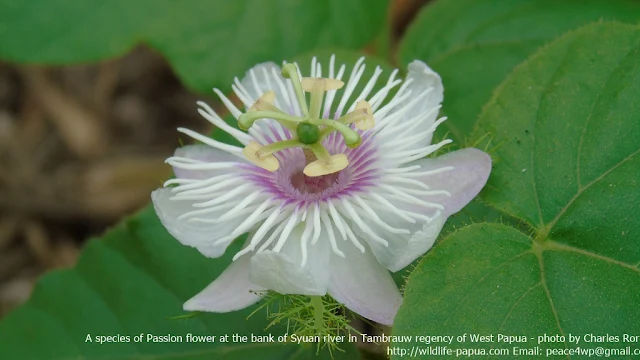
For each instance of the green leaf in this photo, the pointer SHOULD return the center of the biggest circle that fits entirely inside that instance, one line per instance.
(131, 282)
(474, 44)
(491, 279)
(206, 41)
(568, 165)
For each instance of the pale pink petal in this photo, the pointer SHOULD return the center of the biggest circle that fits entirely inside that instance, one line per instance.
(423, 78)
(364, 286)
(471, 168)
(283, 273)
(231, 291)
(200, 235)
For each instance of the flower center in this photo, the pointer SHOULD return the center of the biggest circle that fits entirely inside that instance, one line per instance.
(309, 130)
(313, 184)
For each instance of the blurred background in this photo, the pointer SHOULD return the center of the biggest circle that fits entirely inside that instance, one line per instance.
(83, 146)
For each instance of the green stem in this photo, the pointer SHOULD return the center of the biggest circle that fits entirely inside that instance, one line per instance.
(319, 151)
(317, 93)
(290, 71)
(351, 137)
(318, 313)
(246, 120)
(280, 145)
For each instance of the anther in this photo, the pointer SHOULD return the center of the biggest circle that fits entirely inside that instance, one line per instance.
(264, 160)
(327, 84)
(331, 165)
(367, 122)
(265, 102)
(325, 163)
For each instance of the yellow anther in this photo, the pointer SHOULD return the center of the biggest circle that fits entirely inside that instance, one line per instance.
(367, 122)
(331, 165)
(265, 102)
(329, 84)
(254, 154)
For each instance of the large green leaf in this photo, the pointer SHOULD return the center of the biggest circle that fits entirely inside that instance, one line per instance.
(206, 41)
(569, 167)
(474, 44)
(131, 282)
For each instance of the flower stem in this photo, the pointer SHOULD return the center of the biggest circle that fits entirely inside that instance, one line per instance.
(318, 312)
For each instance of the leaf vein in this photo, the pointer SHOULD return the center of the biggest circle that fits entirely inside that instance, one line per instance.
(515, 304)
(543, 281)
(583, 189)
(562, 247)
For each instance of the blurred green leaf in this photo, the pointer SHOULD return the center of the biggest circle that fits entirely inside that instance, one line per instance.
(568, 168)
(474, 44)
(206, 41)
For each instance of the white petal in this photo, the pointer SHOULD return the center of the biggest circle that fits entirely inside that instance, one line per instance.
(364, 286)
(199, 235)
(281, 271)
(203, 153)
(413, 117)
(424, 78)
(402, 249)
(471, 168)
(231, 291)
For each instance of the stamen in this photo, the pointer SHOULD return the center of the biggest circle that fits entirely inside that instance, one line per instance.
(326, 163)
(362, 116)
(351, 137)
(254, 154)
(327, 84)
(279, 146)
(265, 103)
(323, 167)
(317, 93)
(368, 122)
(290, 71)
(246, 120)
